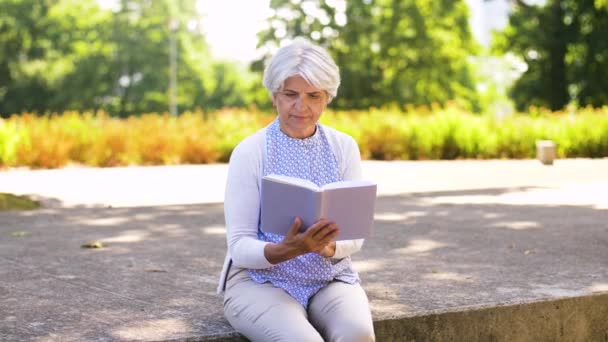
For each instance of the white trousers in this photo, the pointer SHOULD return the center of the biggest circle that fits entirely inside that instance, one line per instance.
(263, 312)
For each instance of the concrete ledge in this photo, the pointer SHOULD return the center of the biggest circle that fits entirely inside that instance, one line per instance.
(568, 319)
(521, 260)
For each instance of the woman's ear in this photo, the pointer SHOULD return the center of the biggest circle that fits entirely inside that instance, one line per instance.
(329, 98)
(274, 99)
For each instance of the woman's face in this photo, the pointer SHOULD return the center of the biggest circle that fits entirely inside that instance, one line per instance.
(299, 105)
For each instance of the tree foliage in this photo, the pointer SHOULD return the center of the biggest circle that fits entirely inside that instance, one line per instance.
(564, 44)
(57, 55)
(389, 51)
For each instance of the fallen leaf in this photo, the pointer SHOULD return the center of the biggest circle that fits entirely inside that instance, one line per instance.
(19, 234)
(155, 270)
(93, 244)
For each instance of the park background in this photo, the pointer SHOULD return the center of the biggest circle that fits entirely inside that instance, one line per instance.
(463, 250)
(137, 82)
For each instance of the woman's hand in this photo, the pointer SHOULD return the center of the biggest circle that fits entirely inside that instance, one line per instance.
(329, 250)
(315, 239)
(318, 238)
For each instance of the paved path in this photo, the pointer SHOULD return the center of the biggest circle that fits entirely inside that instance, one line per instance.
(574, 181)
(449, 236)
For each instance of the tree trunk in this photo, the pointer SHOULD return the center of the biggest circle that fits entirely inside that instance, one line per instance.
(557, 94)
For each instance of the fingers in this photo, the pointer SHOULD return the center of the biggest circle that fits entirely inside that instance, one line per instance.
(295, 227)
(323, 245)
(320, 234)
(321, 229)
(317, 227)
(329, 250)
(327, 240)
(314, 239)
(328, 233)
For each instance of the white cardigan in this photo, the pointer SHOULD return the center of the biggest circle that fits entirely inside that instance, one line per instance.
(242, 199)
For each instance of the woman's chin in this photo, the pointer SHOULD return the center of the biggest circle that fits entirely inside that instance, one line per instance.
(300, 119)
(301, 130)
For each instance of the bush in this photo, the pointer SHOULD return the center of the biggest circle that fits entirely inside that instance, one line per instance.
(97, 139)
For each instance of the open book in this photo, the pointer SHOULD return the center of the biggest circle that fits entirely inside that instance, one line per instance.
(350, 204)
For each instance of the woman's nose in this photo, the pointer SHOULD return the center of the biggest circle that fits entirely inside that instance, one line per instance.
(300, 103)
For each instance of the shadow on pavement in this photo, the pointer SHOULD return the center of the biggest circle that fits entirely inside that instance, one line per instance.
(156, 278)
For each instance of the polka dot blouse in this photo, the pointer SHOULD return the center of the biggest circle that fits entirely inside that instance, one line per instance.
(312, 159)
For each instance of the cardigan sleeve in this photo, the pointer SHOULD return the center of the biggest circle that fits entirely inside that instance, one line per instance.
(352, 170)
(242, 208)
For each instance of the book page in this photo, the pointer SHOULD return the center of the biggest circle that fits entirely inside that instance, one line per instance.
(303, 183)
(352, 209)
(347, 184)
(282, 202)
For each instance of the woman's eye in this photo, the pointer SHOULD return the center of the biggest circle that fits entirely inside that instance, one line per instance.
(290, 94)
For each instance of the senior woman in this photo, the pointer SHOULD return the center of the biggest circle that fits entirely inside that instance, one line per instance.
(301, 286)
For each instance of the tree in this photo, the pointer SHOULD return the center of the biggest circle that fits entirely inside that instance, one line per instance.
(563, 44)
(28, 62)
(140, 71)
(389, 51)
(70, 54)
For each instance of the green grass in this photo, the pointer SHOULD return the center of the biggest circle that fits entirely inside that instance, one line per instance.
(13, 202)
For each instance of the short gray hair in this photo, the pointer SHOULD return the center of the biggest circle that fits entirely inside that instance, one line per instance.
(304, 59)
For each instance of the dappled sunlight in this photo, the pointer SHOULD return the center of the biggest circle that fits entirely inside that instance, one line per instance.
(128, 236)
(169, 226)
(557, 290)
(178, 208)
(145, 216)
(464, 199)
(517, 225)
(385, 301)
(211, 279)
(442, 213)
(153, 329)
(36, 212)
(214, 230)
(450, 276)
(194, 212)
(170, 229)
(511, 291)
(569, 194)
(364, 266)
(491, 215)
(156, 279)
(179, 302)
(419, 246)
(598, 287)
(103, 222)
(392, 216)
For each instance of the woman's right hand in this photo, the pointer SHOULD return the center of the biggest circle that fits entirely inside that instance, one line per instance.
(296, 243)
